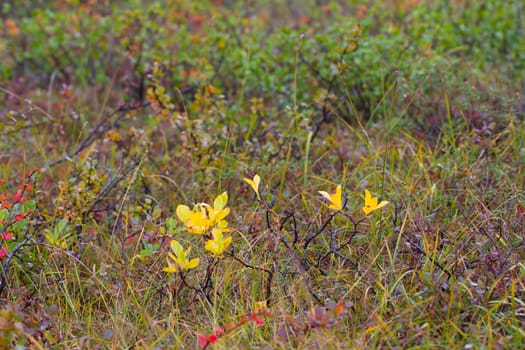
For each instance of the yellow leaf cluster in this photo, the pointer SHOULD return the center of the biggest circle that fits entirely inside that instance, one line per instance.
(200, 220)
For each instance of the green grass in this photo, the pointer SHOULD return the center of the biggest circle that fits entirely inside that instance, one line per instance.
(152, 105)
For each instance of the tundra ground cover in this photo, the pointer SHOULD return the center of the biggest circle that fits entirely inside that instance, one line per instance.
(262, 174)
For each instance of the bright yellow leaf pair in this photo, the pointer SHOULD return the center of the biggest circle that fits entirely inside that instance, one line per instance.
(218, 244)
(254, 183)
(371, 203)
(219, 210)
(179, 258)
(336, 199)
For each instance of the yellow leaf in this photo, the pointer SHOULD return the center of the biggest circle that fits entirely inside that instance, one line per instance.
(336, 199)
(219, 210)
(220, 201)
(218, 244)
(183, 212)
(371, 203)
(193, 263)
(196, 221)
(179, 261)
(254, 184)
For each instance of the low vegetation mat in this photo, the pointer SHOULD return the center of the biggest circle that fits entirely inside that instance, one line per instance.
(250, 174)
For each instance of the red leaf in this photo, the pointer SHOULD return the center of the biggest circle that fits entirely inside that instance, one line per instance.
(19, 217)
(202, 340)
(521, 211)
(212, 338)
(8, 236)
